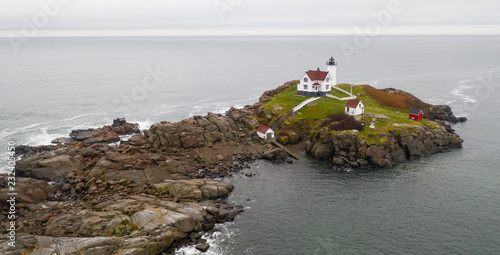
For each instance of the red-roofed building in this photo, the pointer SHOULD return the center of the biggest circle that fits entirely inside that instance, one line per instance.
(354, 107)
(416, 114)
(317, 82)
(265, 132)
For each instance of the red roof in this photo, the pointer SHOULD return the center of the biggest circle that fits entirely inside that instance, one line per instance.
(317, 75)
(262, 129)
(316, 84)
(352, 103)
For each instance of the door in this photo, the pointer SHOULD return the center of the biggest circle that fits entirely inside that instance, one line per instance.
(269, 135)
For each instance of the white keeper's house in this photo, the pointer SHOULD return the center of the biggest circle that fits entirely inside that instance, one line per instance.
(317, 82)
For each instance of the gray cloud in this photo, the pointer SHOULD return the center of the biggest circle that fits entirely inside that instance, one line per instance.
(161, 14)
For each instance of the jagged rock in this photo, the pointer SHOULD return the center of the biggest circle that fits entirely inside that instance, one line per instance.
(29, 191)
(27, 151)
(62, 140)
(122, 127)
(442, 112)
(202, 247)
(53, 166)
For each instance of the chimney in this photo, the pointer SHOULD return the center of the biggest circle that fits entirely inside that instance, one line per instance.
(318, 68)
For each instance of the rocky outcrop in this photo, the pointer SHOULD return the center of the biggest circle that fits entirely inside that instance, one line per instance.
(403, 143)
(139, 225)
(197, 189)
(442, 112)
(111, 199)
(122, 127)
(52, 166)
(29, 191)
(105, 134)
(202, 131)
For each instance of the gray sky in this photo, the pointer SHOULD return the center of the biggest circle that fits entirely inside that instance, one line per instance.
(246, 15)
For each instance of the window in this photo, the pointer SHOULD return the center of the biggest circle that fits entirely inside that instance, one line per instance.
(327, 86)
(327, 79)
(305, 86)
(305, 79)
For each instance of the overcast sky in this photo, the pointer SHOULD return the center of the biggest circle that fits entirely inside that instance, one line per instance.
(241, 15)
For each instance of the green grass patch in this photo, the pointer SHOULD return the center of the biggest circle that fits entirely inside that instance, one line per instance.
(284, 99)
(339, 94)
(324, 107)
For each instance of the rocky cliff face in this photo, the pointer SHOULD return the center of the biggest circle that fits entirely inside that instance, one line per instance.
(442, 112)
(204, 131)
(403, 143)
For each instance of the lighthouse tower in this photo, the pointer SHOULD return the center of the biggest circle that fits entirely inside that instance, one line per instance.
(331, 67)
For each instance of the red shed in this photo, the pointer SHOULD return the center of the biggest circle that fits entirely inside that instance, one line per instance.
(416, 114)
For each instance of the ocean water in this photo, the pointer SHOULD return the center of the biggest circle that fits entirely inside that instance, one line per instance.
(443, 204)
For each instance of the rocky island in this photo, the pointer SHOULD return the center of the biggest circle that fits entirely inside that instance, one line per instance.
(156, 191)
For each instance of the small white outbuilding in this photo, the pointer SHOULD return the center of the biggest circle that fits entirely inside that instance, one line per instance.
(265, 132)
(354, 107)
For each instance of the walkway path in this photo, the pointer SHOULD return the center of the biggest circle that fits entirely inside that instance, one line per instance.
(350, 96)
(298, 107)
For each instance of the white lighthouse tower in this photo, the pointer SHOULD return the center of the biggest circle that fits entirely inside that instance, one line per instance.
(331, 67)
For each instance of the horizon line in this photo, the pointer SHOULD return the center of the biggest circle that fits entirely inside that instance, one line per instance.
(267, 31)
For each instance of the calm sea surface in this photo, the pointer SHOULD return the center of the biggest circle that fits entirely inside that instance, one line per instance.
(444, 204)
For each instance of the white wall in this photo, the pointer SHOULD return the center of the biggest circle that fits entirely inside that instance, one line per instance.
(333, 74)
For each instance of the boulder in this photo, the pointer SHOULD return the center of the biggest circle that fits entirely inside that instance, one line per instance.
(122, 127)
(87, 152)
(137, 140)
(338, 161)
(374, 153)
(202, 247)
(283, 139)
(321, 151)
(293, 137)
(151, 219)
(81, 134)
(275, 154)
(50, 167)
